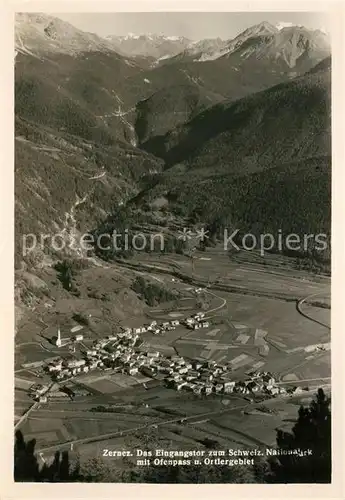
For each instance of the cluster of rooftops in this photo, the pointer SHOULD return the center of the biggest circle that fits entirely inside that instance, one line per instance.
(121, 352)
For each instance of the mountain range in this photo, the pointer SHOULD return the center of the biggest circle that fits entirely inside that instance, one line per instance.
(42, 33)
(233, 129)
(261, 163)
(38, 34)
(149, 45)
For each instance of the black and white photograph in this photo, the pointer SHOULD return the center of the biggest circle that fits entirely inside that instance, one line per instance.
(172, 255)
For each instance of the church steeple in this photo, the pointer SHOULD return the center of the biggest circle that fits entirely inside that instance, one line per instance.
(58, 340)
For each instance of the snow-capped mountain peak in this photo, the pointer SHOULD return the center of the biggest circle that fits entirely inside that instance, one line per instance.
(149, 44)
(281, 25)
(284, 46)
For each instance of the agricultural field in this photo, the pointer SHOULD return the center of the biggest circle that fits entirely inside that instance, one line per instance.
(247, 331)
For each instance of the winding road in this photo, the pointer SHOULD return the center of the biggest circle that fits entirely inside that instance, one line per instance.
(300, 310)
(223, 304)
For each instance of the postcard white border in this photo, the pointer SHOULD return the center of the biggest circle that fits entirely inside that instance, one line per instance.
(11, 490)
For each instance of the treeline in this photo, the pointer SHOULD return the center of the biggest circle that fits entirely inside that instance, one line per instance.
(294, 199)
(123, 234)
(68, 269)
(152, 293)
(37, 101)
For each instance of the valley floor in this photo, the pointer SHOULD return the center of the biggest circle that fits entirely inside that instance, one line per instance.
(262, 317)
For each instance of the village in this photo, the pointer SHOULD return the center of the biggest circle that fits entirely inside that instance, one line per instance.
(121, 352)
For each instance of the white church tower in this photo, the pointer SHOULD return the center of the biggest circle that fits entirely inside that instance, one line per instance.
(58, 340)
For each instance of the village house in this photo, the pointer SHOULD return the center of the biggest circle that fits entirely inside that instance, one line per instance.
(189, 322)
(132, 370)
(146, 370)
(187, 387)
(268, 379)
(274, 391)
(55, 368)
(229, 386)
(165, 369)
(197, 365)
(91, 353)
(74, 363)
(256, 388)
(180, 385)
(112, 337)
(153, 354)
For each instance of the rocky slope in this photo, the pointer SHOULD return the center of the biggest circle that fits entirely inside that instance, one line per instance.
(41, 34)
(293, 49)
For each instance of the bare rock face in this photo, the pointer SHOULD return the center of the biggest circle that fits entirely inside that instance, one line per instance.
(39, 34)
(288, 48)
(51, 31)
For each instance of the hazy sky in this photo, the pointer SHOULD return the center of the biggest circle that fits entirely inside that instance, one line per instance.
(194, 25)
